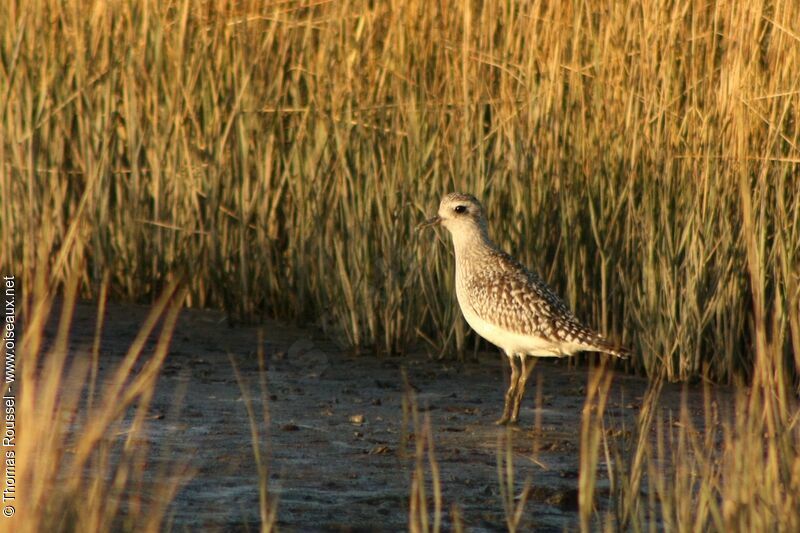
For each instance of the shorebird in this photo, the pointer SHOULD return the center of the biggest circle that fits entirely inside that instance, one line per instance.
(507, 304)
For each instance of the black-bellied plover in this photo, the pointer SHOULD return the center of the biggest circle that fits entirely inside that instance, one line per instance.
(508, 305)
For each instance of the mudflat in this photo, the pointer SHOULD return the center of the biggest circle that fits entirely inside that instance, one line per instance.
(340, 451)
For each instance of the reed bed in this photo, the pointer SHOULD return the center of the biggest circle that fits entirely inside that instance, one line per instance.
(281, 153)
(734, 467)
(82, 459)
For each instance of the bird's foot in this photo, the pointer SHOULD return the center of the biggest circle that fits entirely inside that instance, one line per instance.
(502, 421)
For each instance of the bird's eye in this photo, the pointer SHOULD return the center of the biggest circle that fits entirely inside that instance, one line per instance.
(460, 208)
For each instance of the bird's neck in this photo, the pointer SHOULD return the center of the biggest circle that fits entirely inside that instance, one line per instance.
(469, 244)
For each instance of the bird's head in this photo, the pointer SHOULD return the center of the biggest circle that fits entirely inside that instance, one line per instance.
(461, 214)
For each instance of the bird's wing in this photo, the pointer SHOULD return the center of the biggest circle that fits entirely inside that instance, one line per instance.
(515, 299)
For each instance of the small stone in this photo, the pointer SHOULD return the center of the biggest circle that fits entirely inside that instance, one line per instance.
(380, 450)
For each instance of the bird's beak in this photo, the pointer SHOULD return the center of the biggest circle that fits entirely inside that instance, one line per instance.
(430, 222)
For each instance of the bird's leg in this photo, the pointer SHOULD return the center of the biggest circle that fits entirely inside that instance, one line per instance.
(527, 368)
(512, 388)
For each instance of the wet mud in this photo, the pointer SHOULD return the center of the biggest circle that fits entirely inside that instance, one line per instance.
(340, 451)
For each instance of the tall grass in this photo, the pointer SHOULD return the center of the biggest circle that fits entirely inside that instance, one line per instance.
(736, 468)
(267, 501)
(420, 431)
(81, 456)
(281, 153)
(513, 505)
(81, 453)
(724, 471)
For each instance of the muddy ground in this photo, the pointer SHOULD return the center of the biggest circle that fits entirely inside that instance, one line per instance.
(336, 434)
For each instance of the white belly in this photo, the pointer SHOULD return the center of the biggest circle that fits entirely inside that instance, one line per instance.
(508, 341)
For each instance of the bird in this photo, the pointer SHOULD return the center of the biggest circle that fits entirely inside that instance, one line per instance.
(507, 304)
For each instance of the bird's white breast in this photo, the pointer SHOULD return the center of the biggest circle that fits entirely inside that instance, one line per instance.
(508, 341)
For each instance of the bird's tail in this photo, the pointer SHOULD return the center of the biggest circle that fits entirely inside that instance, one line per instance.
(601, 344)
